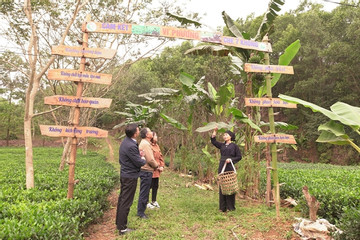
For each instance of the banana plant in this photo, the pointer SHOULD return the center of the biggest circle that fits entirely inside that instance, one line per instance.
(148, 112)
(340, 114)
(215, 102)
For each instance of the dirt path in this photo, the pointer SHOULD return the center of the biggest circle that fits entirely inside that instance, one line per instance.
(105, 228)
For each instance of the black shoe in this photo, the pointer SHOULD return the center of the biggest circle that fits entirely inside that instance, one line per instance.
(143, 216)
(126, 231)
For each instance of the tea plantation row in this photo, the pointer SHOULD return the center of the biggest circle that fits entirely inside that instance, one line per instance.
(337, 188)
(44, 212)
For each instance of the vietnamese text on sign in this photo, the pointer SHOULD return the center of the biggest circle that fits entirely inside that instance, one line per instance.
(268, 102)
(249, 67)
(73, 101)
(83, 52)
(76, 75)
(275, 138)
(173, 32)
(79, 132)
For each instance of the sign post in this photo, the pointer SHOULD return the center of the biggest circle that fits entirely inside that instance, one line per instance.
(75, 122)
(80, 77)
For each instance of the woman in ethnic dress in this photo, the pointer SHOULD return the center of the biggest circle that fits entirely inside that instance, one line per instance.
(229, 152)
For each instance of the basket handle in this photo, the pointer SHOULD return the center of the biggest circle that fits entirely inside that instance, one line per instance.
(223, 169)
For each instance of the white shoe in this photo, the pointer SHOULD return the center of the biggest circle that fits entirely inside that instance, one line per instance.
(151, 206)
(155, 204)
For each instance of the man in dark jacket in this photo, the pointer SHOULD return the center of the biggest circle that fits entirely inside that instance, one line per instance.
(131, 161)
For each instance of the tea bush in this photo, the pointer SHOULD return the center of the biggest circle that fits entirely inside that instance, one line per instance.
(44, 212)
(337, 189)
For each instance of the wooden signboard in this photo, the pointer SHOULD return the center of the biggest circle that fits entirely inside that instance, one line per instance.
(173, 32)
(275, 138)
(79, 132)
(213, 37)
(182, 33)
(247, 44)
(124, 28)
(83, 52)
(268, 102)
(147, 30)
(77, 76)
(249, 67)
(73, 101)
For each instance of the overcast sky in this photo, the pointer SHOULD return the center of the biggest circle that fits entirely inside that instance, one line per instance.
(210, 10)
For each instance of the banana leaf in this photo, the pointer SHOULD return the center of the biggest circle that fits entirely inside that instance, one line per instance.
(285, 59)
(173, 122)
(184, 20)
(345, 119)
(329, 137)
(281, 125)
(347, 111)
(212, 125)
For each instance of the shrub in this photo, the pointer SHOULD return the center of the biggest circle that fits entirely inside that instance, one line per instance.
(335, 187)
(44, 212)
(350, 223)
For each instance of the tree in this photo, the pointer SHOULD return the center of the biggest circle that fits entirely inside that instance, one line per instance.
(43, 26)
(13, 91)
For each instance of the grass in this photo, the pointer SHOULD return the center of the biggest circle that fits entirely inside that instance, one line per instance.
(192, 213)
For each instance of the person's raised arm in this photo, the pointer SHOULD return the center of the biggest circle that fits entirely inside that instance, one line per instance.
(213, 138)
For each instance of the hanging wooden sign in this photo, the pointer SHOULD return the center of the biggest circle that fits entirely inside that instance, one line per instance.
(268, 102)
(73, 101)
(124, 28)
(247, 44)
(79, 132)
(173, 32)
(183, 33)
(213, 37)
(249, 67)
(275, 138)
(77, 76)
(83, 52)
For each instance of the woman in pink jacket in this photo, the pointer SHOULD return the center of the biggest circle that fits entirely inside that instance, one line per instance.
(155, 179)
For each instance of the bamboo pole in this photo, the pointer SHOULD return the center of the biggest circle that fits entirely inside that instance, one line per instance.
(268, 176)
(76, 119)
(272, 130)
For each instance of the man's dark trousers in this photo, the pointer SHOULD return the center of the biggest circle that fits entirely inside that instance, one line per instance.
(146, 178)
(126, 197)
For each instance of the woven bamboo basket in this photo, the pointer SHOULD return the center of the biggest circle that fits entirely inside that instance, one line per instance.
(228, 181)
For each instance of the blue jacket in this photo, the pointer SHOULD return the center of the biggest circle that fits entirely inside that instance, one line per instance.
(130, 159)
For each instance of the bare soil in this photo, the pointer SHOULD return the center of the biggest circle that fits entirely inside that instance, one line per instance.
(36, 143)
(105, 228)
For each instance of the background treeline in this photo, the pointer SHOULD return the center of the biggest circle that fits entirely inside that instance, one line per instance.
(325, 72)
